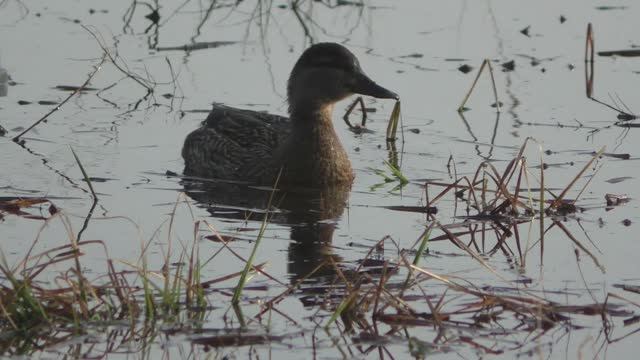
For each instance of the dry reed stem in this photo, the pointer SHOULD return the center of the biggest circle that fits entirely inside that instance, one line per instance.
(493, 85)
(578, 244)
(487, 63)
(394, 119)
(560, 197)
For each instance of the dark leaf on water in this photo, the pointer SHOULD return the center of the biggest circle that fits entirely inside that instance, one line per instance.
(465, 68)
(197, 46)
(14, 206)
(604, 8)
(73, 88)
(235, 340)
(509, 66)
(615, 156)
(524, 281)
(632, 320)
(220, 238)
(626, 117)
(618, 180)
(418, 209)
(98, 179)
(154, 16)
(68, 253)
(349, 3)
(17, 203)
(47, 102)
(627, 125)
(624, 53)
(359, 129)
(371, 338)
(372, 262)
(414, 55)
(404, 319)
(246, 229)
(53, 209)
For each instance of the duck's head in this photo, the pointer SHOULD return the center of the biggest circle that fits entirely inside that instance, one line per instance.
(327, 73)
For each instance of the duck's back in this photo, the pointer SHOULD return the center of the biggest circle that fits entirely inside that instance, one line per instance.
(234, 144)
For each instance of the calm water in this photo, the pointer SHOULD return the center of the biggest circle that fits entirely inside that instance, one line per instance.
(128, 140)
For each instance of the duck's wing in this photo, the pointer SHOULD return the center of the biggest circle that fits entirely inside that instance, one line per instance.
(233, 143)
(247, 127)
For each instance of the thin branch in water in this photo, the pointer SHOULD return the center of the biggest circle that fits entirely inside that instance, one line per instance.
(59, 106)
(128, 73)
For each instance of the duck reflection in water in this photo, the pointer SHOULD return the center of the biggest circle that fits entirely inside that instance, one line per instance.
(302, 152)
(311, 216)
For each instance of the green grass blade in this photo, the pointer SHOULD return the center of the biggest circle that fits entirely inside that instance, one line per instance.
(248, 266)
(397, 173)
(392, 128)
(341, 308)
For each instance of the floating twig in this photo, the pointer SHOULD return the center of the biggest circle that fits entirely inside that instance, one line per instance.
(623, 53)
(560, 197)
(126, 72)
(59, 106)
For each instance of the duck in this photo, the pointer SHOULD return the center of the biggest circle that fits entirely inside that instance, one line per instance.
(302, 150)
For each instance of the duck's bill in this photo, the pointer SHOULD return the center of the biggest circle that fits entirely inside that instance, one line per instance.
(366, 86)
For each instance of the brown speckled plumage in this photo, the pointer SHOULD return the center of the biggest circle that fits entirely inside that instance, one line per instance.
(234, 144)
(246, 145)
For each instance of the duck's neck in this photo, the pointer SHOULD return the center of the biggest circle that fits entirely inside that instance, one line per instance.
(312, 116)
(313, 155)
